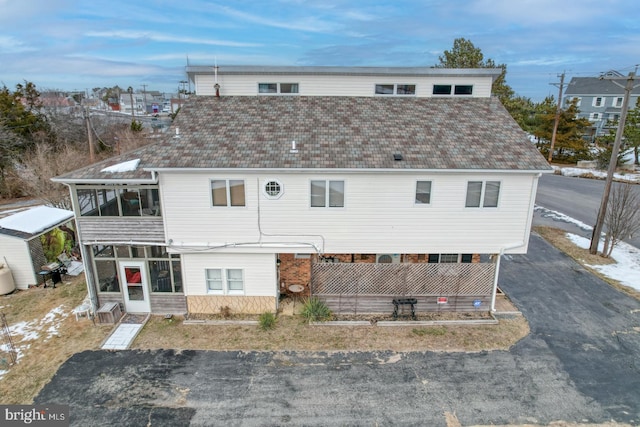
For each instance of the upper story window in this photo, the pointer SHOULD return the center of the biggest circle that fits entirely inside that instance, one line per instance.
(423, 192)
(617, 102)
(395, 89)
(598, 101)
(227, 192)
(277, 88)
(594, 116)
(577, 99)
(482, 193)
(273, 189)
(463, 90)
(457, 89)
(118, 201)
(327, 194)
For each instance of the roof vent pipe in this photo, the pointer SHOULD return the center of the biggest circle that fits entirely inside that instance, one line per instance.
(177, 133)
(293, 147)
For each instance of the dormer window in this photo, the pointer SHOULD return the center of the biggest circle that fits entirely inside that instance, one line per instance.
(277, 88)
(395, 89)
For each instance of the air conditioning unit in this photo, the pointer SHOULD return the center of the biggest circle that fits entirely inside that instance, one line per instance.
(388, 258)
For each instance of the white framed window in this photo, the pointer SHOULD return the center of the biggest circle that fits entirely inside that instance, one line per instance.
(327, 194)
(463, 90)
(482, 193)
(442, 89)
(224, 281)
(395, 89)
(213, 277)
(450, 258)
(459, 90)
(594, 116)
(617, 102)
(227, 192)
(578, 100)
(598, 101)
(277, 88)
(423, 193)
(273, 189)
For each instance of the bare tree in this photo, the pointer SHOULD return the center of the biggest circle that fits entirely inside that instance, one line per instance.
(43, 163)
(622, 219)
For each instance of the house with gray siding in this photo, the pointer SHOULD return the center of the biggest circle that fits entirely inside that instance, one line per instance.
(355, 185)
(600, 99)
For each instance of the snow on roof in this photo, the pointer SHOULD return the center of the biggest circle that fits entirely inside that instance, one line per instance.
(129, 166)
(36, 219)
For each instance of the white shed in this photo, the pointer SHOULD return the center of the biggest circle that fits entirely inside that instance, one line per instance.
(20, 243)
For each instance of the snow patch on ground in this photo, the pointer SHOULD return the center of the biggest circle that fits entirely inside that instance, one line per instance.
(626, 270)
(23, 334)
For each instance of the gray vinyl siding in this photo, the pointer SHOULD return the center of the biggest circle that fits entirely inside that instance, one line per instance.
(121, 229)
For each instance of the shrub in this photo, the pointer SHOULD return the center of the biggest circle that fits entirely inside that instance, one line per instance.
(225, 312)
(267, 320)
(315, 310)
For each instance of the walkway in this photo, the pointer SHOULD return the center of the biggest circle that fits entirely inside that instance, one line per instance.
(124, 334)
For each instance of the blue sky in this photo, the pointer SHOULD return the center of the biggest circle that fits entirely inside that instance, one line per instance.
(65, 44)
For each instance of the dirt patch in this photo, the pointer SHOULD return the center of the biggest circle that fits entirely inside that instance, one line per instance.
(46, 334)
(292, 333)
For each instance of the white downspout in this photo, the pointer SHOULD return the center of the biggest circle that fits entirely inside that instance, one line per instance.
(495, 278)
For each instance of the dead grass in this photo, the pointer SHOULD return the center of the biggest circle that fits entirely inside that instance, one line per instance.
(44, 356)
(558, 238)
(292, 333)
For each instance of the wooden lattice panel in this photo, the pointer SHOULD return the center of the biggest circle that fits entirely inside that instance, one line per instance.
(402, 279)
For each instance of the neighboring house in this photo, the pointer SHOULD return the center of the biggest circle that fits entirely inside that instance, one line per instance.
(20, 244)
(600, 100)
(399, 183)
(135, 100)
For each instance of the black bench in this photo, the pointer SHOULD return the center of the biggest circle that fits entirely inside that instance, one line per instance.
(404, 301)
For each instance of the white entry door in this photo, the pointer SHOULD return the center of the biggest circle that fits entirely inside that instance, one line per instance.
(136, 286)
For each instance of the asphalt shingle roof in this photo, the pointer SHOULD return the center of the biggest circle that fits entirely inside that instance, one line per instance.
(335, 132)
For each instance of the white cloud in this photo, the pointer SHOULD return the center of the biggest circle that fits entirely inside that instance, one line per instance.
(160, 37)
(10, 44)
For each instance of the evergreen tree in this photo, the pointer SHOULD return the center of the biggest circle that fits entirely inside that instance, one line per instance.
(570, 146)
(632, 131)
(464, 54)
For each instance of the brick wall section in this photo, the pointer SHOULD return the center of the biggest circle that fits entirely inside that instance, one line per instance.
(294, 271)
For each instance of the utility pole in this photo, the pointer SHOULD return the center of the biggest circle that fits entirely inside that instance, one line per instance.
(597, 230)
(144, 97)
(557, 120)
(89, 134)
(130, 90)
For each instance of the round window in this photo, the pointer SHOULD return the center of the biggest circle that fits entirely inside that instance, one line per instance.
(273, 189)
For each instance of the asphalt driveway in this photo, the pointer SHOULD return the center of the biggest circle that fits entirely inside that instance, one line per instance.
(579, 364)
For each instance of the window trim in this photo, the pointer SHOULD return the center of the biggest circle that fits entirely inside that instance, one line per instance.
(415, 198)
(227, 193)
(224, 281)
(598, 101)
(482, 197)
(279, 88)
(265, 191)
(327, 193)
(455, 90)
(617, 101)
(394, 91)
